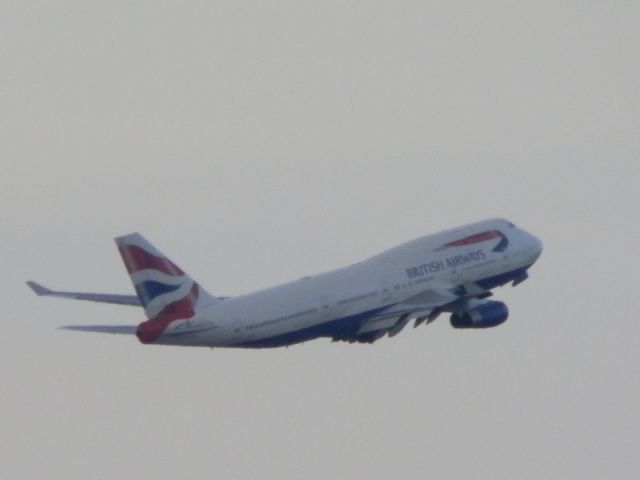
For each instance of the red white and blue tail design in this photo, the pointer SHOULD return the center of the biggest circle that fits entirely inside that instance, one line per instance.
(165, 291)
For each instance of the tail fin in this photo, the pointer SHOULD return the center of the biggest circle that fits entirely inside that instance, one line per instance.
(166, 292)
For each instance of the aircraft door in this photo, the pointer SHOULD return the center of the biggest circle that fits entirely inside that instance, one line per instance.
(456, 275)
(236, 330)
(325, 307)
(385, 291)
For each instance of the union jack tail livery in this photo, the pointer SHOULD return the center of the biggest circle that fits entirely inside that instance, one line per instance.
(165, 291)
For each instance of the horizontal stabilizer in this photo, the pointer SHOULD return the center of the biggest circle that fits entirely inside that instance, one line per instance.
(38, 289)
(91, 297)
(119, 329)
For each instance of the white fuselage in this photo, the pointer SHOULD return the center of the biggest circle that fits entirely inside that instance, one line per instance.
(345, 302)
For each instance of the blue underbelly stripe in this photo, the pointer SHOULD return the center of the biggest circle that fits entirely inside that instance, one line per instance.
(345, 327)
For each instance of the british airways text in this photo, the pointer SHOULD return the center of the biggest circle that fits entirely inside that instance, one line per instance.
(440, 265)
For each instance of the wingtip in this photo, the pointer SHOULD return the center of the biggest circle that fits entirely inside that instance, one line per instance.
(37, 288)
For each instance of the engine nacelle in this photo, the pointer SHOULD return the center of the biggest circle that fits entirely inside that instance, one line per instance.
(485, 315)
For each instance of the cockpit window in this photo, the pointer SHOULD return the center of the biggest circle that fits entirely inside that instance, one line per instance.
(511, 225)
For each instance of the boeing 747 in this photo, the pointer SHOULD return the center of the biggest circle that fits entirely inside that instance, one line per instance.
(452, 272)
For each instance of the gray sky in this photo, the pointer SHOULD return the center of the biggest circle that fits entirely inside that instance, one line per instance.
(256, 142)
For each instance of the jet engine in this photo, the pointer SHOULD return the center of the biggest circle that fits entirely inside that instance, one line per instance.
(480, 315)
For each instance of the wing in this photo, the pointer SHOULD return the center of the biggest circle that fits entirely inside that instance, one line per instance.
(426, 305)
(91, 297)
(429, 300)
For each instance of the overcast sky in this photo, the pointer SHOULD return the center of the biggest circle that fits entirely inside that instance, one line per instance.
(257, 142)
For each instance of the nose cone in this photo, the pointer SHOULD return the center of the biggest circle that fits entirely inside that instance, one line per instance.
(535, 248)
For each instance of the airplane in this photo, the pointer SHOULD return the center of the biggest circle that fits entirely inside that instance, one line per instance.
(453, 271)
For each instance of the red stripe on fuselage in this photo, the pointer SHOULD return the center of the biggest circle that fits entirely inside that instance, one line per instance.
(470, 240)
(136, 259)
(151, 330)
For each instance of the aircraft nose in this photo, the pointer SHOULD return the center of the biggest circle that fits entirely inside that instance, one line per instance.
(536, 247)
